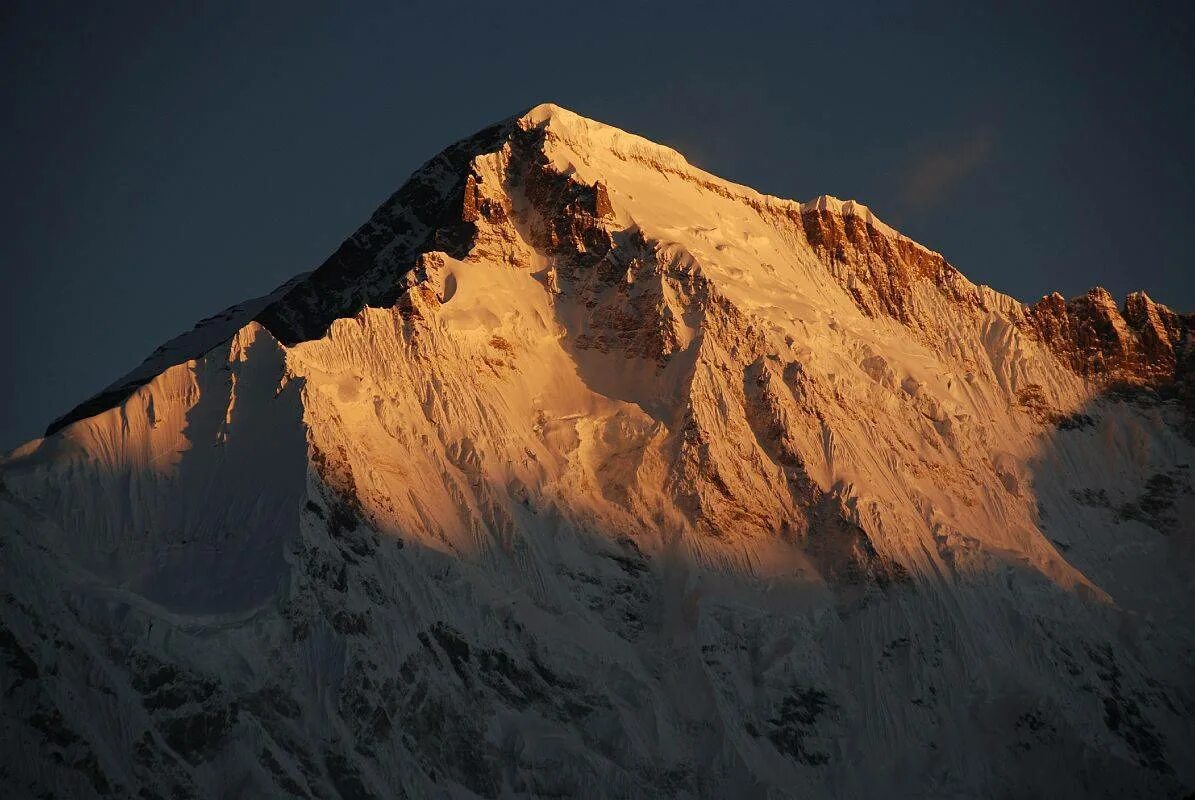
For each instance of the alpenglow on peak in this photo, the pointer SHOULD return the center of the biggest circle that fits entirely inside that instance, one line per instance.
(578, 470)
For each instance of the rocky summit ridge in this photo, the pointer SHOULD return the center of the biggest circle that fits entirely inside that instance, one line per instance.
(577, 470)
(438, 208)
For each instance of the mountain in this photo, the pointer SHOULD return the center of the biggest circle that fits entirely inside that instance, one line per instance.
(579, 471)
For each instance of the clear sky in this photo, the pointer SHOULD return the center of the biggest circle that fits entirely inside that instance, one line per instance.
(161, 161)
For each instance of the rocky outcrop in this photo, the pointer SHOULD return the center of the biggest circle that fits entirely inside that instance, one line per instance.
(1140, 344)
(880, 270)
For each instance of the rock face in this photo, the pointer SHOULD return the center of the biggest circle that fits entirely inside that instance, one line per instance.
(1142, 344)
(579, 471)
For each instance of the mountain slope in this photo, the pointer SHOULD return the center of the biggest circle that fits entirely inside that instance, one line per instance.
(578, 470)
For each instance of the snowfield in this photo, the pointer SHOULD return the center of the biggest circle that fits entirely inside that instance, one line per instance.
(578, 471)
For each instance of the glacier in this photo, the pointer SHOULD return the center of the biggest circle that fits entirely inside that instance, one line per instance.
(579, 471)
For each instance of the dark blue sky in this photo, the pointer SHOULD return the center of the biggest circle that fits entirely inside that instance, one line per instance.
(162, 161)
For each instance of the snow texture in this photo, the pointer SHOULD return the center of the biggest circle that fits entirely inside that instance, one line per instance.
(578, 471)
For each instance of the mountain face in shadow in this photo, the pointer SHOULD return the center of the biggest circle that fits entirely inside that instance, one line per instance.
(579, 471)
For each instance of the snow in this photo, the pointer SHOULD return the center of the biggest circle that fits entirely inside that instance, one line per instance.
(848, 208)
(592, 138)
(206, 334)
(533, 531)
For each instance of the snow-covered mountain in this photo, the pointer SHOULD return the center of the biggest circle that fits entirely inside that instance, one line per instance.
(578, 471)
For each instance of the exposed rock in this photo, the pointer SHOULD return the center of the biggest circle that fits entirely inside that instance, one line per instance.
(1143, 344)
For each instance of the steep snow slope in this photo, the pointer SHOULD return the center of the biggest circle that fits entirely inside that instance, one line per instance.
(580, 471)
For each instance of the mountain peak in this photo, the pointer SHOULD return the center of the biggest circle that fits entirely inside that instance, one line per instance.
(587, 181)
(544, 112)
(577, 470)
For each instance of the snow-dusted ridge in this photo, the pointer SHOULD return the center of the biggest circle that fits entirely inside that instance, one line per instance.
(578, 471)
(628, 145)
(207, 334)
(848, 208)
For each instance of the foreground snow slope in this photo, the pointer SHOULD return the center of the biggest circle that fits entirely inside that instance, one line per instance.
(580, 471)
